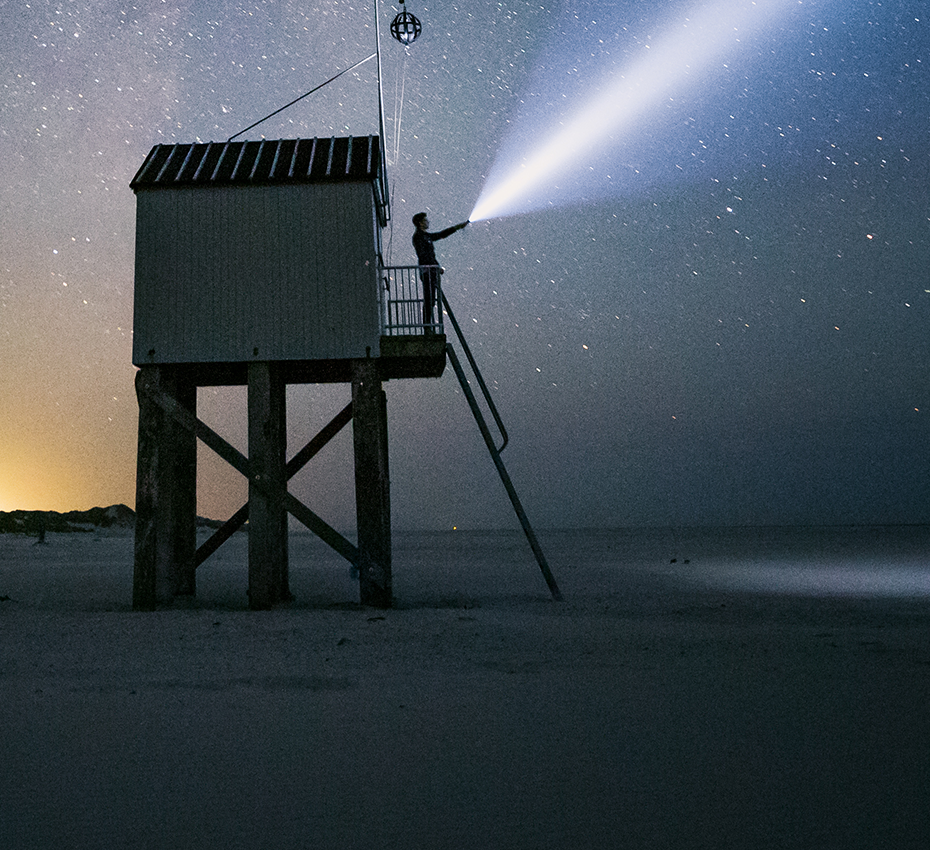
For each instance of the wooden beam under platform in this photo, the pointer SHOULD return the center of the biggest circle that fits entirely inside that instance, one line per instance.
(413, 356)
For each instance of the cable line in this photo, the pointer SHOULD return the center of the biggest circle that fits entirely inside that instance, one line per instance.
(306, 94)
(399, 107)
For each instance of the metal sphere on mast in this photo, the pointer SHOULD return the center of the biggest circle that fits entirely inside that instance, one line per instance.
(405, 27)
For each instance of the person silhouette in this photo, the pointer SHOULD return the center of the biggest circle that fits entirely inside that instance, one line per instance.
(430, 270)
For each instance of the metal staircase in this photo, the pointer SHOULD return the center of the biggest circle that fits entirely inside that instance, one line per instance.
(495, 451)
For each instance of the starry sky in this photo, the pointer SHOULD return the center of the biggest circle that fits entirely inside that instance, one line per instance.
(717, 316)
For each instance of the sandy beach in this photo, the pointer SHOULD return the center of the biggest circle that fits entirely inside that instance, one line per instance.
(748, 688)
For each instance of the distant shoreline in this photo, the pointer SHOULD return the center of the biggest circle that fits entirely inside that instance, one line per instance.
(36, 523)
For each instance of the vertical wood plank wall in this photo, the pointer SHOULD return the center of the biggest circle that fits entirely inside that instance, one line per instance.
(244, 273)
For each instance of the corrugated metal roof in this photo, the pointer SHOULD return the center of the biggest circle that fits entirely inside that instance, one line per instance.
(336, 160)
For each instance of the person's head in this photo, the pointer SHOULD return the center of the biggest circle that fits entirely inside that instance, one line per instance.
(420, 221)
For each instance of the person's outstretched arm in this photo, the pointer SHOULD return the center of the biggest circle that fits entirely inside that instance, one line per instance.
(442, 234)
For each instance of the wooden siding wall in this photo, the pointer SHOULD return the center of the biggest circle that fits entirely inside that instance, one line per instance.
(242, 273)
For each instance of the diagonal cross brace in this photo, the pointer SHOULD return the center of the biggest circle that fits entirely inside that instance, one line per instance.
(294, 465)
(336, 424)
(240, 463)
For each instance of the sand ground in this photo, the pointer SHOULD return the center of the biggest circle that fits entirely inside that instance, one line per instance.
(725, 702)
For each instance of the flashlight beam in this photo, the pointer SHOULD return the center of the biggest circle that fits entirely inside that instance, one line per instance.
(695, 44)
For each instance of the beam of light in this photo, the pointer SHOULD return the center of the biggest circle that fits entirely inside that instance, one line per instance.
(861, 579)
(703, 38)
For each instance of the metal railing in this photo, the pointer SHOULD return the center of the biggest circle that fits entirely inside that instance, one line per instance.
(402, 301)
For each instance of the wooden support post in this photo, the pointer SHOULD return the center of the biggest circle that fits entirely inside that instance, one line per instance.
(166, 491)
(148, 462)
(268, 569)
(179, 496)
(372, 484)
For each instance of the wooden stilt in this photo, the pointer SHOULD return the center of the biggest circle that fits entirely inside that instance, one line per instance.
(179, 493)
(268, 569)
(166, 491)
(166, 555)
(147, 490)
(372, 484)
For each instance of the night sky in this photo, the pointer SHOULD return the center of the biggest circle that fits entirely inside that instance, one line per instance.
(717, 315)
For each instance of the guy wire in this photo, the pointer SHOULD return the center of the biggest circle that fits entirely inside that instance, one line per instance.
(401, 84)
(399, 107)
(306, 94)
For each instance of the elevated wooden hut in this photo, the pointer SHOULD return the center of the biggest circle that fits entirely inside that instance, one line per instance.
(259, 263)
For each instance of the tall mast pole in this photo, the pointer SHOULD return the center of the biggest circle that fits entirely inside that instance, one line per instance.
(382, 145)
